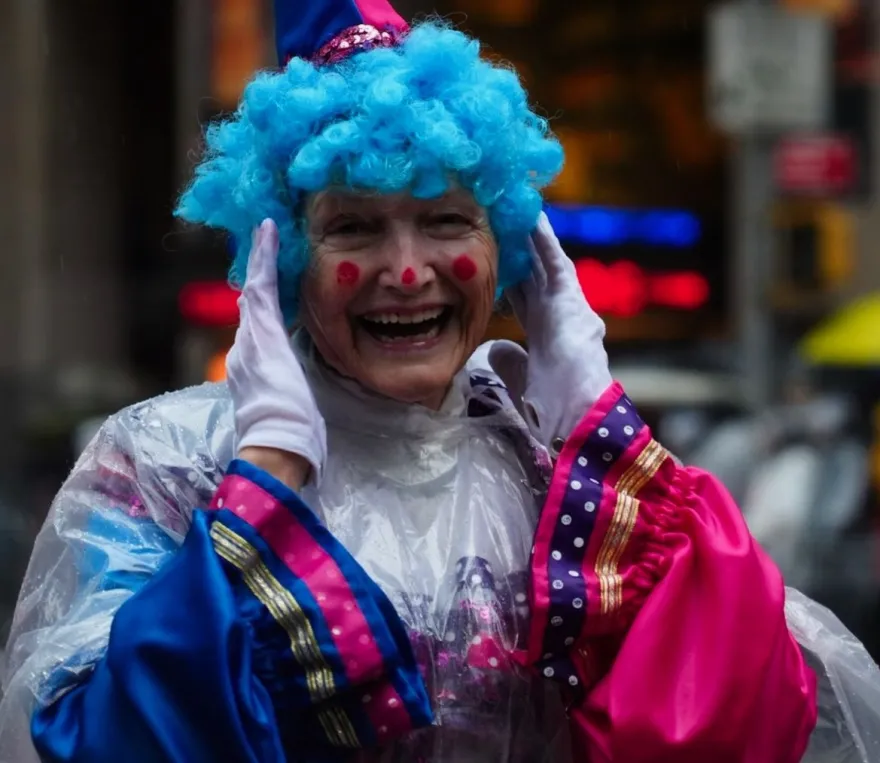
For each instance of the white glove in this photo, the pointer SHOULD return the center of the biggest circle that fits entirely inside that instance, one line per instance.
(566, 368)
(274, 406)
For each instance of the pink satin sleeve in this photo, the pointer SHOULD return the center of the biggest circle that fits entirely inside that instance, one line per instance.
(658, 611)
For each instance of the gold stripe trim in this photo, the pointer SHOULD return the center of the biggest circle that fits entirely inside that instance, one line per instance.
(288, 613)
(338, 728)
(281, 605)
(626, 511)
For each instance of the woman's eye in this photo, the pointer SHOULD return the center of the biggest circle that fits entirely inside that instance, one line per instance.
(449, 220)
(351, 227)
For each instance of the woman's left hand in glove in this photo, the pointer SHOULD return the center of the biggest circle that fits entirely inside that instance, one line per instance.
(566, 368)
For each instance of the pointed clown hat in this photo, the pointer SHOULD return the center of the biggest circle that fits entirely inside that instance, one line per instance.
(327, 31)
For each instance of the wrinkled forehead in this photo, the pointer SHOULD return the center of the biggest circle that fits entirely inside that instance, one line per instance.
(334, 201)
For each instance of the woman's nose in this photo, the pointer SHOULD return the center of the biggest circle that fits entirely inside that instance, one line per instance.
(407, 267)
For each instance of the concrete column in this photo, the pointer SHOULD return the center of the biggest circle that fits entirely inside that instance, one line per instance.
(23, 291)
(81, 252)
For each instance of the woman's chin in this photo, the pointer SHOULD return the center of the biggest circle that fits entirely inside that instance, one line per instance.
(419, 371)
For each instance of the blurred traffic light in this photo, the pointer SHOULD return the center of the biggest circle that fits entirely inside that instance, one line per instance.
(816, 248)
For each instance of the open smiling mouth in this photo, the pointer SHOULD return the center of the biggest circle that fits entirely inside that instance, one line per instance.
(407, 328)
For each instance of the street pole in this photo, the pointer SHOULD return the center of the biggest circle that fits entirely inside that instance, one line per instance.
(769, 76)
(753, 250)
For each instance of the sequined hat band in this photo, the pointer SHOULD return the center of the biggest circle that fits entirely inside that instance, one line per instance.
(353, 40)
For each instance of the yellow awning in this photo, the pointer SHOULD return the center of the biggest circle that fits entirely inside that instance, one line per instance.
(851, 337)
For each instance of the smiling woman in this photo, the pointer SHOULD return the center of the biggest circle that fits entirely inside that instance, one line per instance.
(408, 322)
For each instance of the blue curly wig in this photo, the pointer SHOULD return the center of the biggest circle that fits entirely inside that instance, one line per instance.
(413, 117)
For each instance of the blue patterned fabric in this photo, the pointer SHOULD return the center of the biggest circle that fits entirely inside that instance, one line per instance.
(198, 669)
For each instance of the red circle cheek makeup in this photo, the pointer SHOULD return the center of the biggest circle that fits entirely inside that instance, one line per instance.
(347, 274)
(464, 268)
(408, 277)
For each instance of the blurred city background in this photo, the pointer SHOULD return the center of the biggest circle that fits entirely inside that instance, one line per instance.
(720, 200)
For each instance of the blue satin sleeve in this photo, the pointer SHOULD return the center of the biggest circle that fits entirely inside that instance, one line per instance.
(176, 682)
(229, 653)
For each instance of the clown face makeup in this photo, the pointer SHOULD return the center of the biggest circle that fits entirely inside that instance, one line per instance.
(400, 290)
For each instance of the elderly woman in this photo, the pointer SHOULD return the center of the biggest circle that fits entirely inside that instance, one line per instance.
(382, 541)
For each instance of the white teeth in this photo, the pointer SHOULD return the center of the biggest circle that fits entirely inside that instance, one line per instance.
(424, 315)
(415, 339)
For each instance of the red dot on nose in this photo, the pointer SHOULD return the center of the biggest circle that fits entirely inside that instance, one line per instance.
(464, 268)
(347, 273)
(408, 277)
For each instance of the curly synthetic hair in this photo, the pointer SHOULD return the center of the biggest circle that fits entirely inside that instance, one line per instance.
(411, 118)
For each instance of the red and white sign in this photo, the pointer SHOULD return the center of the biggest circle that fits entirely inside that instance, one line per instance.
(816, 165)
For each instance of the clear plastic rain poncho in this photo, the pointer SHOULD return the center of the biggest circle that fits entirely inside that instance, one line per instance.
(439, 508)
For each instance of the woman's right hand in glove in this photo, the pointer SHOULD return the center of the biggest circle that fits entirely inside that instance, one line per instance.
(277, 424)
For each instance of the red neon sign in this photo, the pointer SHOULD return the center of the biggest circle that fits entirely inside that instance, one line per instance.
(209, 303)
(625, 289)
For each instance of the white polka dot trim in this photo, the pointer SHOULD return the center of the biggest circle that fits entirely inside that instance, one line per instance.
(493, 662)
(557, 555)
(450, 636)
(574, 573)
(603, 432)
(572, 680)
(575, 485)
(606, 457)
(577, 603)
(548, 655)
(621, 409)
(520, 598)
(569, 641)
(578, 542)
(582, 461)
(628, 429)
(337, 631)
(565, 519)
(558, 585)
(549, 672)
(590, 506)
(476, 580)
(556, 621)
(477, 640)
